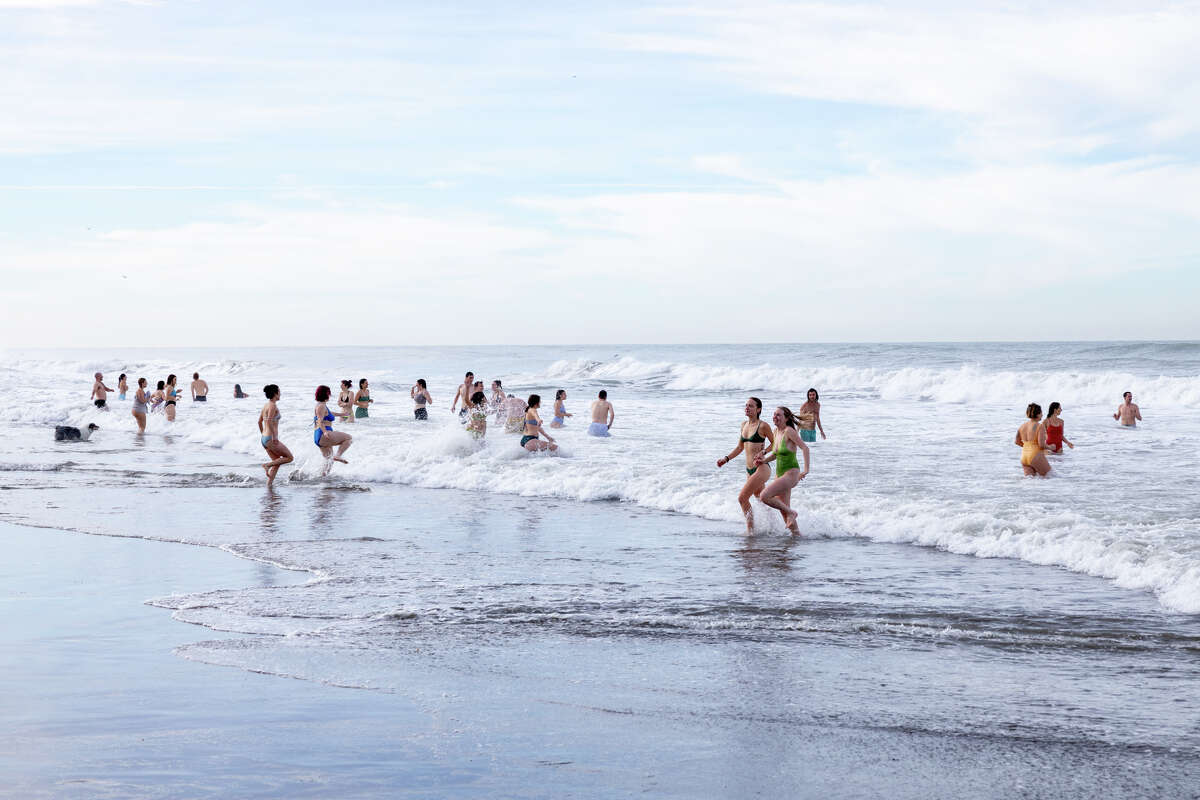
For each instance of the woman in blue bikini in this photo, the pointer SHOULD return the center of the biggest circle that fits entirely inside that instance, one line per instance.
(751, 438)
(531, 428)
(324, 436)
(268, 429)
(560, 409)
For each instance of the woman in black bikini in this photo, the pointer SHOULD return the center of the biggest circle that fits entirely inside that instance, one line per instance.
(753, 434)
(532, 427)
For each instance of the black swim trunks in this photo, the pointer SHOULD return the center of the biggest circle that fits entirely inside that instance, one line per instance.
(101, 404)
(200, 398)
(420, 413)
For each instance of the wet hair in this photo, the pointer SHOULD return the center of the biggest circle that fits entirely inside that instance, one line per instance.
(421, 383)
(534, 400)
(497, 384)
(322, 393)
(812, 392)
(477, 383)
(1127, 394)
(347, 383)
(1055, 406)
(1033, 410)
(479, 399)
(195, 376)
(171, 379)
(271, 391)
(789, 419)
(97, 375)
(161, 385)
(469, 375)
(603, 395)
(141, 381)
(560, 394)
(757, 402)
(361, 381)
(122, 377)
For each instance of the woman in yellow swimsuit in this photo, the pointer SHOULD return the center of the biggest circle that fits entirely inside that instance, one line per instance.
(1031, 438)
(751, 437)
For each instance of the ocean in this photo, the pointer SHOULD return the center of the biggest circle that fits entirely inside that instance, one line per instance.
(933, 589)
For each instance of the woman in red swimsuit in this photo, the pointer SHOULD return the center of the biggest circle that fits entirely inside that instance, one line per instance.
(1054, 430)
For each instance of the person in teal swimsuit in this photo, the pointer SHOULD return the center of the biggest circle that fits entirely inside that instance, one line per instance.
(778, 493)
(268, 430)
(362, 399)
(751, 437)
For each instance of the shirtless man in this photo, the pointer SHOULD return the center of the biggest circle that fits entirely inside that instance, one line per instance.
(100, 391)
(199, 389)
(602, 415)
(1128, 414)
(464, 394)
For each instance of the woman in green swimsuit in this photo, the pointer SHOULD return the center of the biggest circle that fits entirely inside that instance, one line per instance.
(362, 399)
(751, 436)
(778, 493)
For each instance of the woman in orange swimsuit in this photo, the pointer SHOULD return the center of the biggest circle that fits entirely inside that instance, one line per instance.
(1031, 438)
(1055, 429)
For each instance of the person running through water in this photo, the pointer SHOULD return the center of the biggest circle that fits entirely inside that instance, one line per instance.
(533, 428)
(754, 436)
(324, 436)
(778, 493)
(1031, 438)
(1055, 430)
(268, 429)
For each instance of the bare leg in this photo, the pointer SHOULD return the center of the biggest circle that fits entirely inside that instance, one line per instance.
(752, 488)
(775, 492)
(1041, 465)
(141, 421)
(282, 456)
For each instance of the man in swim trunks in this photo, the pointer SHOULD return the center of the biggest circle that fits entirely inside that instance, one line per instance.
(1128, 414)
(100, 391)
(602, 415)
(464, 394)
(199, 389)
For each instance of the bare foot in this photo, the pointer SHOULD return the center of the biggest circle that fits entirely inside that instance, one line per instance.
(790, 521)
(266, 469)
(340, 460)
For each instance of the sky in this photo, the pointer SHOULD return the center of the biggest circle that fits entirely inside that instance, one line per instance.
(393, 173)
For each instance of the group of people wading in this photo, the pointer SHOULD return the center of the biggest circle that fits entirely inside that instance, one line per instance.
(1036, 438)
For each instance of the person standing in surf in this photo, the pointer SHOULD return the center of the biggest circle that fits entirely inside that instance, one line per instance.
(122, 386)
(324, 436)
(268, 430)
(464, 394)
(421, 398)
(1055, 430)
(602, 415)
(100, 392)
(345, 401)
(140, 398)
(1128, 414)
(362, 400)
(1031, 438)
(199, 389)
(809, 417)
(172, 398)
(560, 409)
(752, 435)
(778, 493)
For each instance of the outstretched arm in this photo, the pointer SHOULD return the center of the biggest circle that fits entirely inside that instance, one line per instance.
(726, 459)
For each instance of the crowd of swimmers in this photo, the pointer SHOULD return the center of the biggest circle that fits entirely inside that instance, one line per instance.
(760, 442)
(1037, 438)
